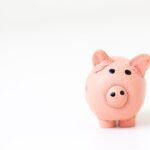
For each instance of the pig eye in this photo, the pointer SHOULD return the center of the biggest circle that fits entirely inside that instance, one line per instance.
(112, 71)
(127, 72)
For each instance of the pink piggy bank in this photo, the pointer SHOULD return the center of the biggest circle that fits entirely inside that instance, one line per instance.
(115, 88)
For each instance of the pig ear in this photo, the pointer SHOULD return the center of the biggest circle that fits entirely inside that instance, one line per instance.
(100, 56)
(141, 63)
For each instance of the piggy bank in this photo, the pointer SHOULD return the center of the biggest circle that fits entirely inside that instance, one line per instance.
(115, 88)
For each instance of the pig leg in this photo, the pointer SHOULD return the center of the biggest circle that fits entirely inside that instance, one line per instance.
(107, 124)
(127, 123)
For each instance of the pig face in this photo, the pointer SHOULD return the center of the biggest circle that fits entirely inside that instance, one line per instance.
(115, 87)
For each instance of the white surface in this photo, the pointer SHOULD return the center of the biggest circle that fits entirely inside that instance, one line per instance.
(45, 56)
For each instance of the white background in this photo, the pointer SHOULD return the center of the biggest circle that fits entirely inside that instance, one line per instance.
(45, 56)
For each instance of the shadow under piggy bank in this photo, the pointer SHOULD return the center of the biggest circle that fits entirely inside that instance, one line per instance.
(143, 119)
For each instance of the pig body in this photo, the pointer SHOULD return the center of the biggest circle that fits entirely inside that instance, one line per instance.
(115, 88)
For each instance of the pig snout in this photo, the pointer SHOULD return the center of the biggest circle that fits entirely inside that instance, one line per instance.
(117, 97)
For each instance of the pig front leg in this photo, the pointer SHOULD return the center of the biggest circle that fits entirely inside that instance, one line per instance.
(107, 123)
(127, 123)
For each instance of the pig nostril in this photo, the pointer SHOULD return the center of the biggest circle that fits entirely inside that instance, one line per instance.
(122, 92)
(113, 94)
